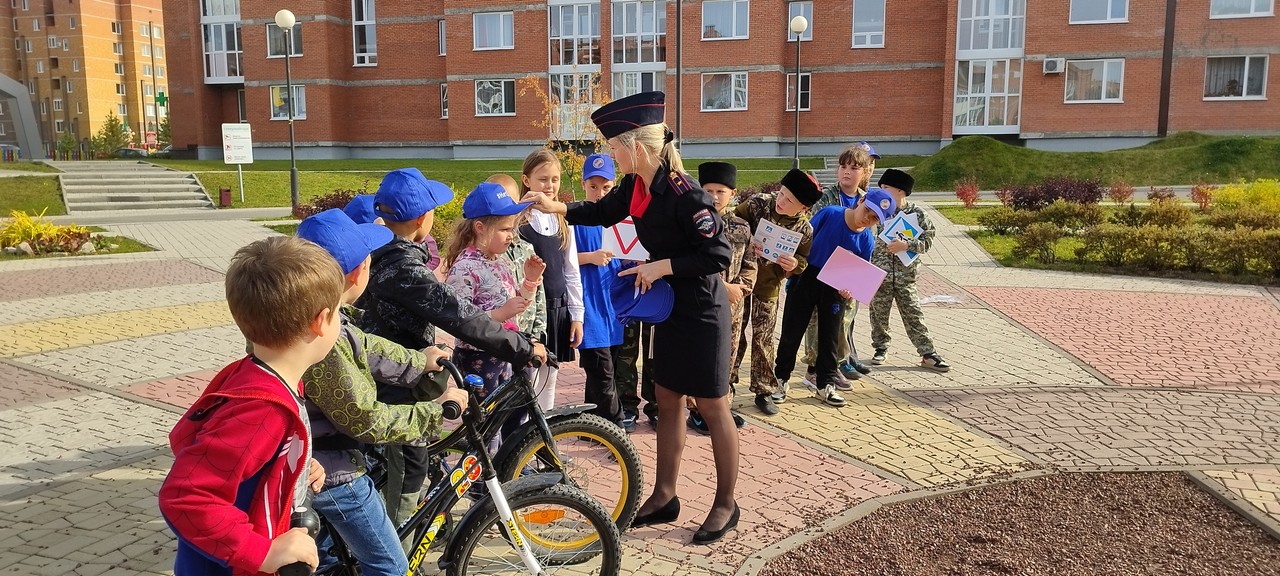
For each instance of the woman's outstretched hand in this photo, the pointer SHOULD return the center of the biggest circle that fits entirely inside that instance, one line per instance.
(647, 273)
(544, 202)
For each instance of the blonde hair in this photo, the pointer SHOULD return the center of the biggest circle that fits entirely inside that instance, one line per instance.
(535, 159)
(275, 287)
(464, 235)
(855, 155)
(652, 140)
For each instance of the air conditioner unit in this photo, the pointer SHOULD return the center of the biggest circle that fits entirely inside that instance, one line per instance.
(1054, 65)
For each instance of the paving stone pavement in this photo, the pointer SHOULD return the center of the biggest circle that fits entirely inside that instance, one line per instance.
(1057, 370)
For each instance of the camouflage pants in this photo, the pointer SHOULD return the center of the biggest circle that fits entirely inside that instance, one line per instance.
(764, 316)
(625, 371)
(904, 292)
(735, 339)
(846, 350)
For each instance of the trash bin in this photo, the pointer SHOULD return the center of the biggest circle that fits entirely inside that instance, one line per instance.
(224, 197)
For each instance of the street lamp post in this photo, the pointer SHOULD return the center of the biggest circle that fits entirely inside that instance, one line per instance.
(798, 25)
(285, 20)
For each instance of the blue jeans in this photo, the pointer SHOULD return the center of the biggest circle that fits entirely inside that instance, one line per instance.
(356, 512)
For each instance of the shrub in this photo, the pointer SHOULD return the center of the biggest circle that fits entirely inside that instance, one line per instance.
(1131, 216)
(1005, 194)
(1268, 249)
(1005, 220)
(1202, 195)
(1152, 246)
(1109, 242)
(1168, 214)
(1161, 194)
(336, 199)
(1039, 240)
(1192, 245)
(42, 236)
(1233, 248)
(1053, 188)
(967, 191)
(766, 188)
(1120, 192)
(446, 215)
(1263, 195)
(1070, 216)
(1246, 216)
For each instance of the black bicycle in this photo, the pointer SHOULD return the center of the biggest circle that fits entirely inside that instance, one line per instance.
(539, 523)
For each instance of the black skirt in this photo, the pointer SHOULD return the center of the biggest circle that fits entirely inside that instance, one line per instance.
(558, 325)
(691, 348)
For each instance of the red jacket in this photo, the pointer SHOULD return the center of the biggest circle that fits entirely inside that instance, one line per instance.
(238, 453)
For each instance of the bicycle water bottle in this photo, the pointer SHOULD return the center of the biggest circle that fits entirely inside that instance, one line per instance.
(303, 517)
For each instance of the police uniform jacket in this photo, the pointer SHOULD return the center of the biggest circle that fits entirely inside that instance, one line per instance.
(680, 223)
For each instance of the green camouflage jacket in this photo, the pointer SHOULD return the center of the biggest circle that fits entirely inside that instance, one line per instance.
(920, 245)
(534, 318)
(742, 267)
(769, 276)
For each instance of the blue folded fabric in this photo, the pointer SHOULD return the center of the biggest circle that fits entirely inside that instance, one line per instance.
(653, 306)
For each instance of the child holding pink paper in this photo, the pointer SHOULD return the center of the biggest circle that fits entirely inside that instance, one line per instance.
(833, 227)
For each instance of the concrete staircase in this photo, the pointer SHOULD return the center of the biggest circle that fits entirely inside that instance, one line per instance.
(827, 175)
(97, 185)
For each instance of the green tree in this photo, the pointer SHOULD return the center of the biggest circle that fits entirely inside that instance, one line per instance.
(110, 136)
(67, 143)
(162, 133)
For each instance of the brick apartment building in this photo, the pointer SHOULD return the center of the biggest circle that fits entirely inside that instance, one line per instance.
(81, 61)
(439, 78)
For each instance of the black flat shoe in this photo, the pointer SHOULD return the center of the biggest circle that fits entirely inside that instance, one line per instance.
(670, 512)
(704, 536)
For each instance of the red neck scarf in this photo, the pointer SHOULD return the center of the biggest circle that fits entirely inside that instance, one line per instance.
(640, 198)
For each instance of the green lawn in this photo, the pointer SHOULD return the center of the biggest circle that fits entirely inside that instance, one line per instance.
(124, 245)
(31, 194)
(1186, 158)
(969, 216)
(286, 229)
(27, 167)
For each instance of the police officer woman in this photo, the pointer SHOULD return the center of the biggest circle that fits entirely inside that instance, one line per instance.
(677, 223)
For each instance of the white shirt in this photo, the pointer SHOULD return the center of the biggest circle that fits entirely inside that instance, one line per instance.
(549, 225)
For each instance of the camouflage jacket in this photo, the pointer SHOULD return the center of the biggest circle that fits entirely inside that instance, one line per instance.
(534, 318)
(342, 399)
(769, 276)
(742, 267)
(889, 262)
(831, 196)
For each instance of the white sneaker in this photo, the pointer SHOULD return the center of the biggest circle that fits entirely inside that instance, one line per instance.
(811, 381)
(830, 396)
(781, 395)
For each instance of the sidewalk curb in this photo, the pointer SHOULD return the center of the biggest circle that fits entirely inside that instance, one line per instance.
(1236, 503)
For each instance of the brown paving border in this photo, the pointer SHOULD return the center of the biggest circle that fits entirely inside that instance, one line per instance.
(46, 282)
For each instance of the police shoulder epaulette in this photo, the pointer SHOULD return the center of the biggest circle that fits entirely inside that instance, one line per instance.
(680, 183)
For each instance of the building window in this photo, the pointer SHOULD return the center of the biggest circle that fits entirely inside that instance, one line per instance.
(67, 87)
(575, 34)
(444, 100)
(79, 109)
(222, 52)
(53, 41)
(28, 46)
(151, 110)
(799, 9)
(120, 89)
(122, 110)
(66, 45)
(804, 92)
(495, 97)
(725, 91)
(144, 30)
(639, 47)
(44, 108)
(71, 22)
(146, 49)
(56, 83)
(493, 31)
(155, 31)
(988, 94)
(276, 42)
(364, 33)
(39, 66)
(441, 30)
(75, 64)
(159, 71)
(992, 25)
(1240, 8)
(220, 8)
(31, 86)
(35, 24)
(117, 48)
(15, 24)
(1099, 11)
(115, 27)
(280, 103)
(146, 70)
(868, 23)
(57, 104)
(1095, 81)
(244, 111)
(725, 19)
(147, 90)
(119, 68)
(59, 126)
(1235, 77)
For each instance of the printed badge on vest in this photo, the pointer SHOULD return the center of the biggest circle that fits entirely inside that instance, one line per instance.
(705, 223)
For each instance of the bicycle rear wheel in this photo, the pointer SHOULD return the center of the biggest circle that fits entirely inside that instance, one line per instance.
(569, 533)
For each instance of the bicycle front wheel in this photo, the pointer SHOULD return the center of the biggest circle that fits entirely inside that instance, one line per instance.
(568, 532)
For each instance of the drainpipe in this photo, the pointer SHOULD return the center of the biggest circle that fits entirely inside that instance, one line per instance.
(1166, 68)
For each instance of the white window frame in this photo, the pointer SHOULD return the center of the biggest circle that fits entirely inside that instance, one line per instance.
(1015, 22)
(71, 22)
(295, 36)
(147, 90)
(505, 84)
(1110, 10)
(57, 104)
(120, 68)
(150, 111)
(44, 108)
(300, 96)
(117, 48)
(155, 32)
(1108, 64)
(35, 24)
(364, 15)
(158, 52)
(870, 38)
(642, 24)
(79, 108)
(144, 30)
(120, 88)
(52, 42)
(1244, 93)
(146, 69)
(146, 50)
(28, 46)
(630, 82)
(75, 64)
(66, 86)
(223, 64)
(1253, 12)
(66, 45)
(734, 78)
(444, 100)
(59, 126)
(39, 66)
(441, 28)
(734, 6)
(989, 91)
(115, 28)
(122, 110)
(803, 8)
(578, 41)
(506, 23)
(806, 91)
(159, 71)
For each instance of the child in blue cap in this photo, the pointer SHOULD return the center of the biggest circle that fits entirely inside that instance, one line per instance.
(360, 210)
(342, 402)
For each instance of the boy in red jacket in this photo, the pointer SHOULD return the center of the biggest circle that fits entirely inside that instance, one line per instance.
(242, 452)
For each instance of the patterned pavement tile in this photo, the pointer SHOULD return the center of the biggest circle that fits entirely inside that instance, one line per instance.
(44, 283)
(24, 387)
(209, 243)
(61, 333)
(180, 391)
(1145, 339)
(1121, 427)
(953, 248)
(142, 359)
(36, 309)
(56, 439)
(971, 277)
(932, 286)
(1260, 486)
(91, 525)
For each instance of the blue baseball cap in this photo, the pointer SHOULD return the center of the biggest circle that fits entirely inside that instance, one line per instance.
(360, 209)
(630, 305)
(348, 242)
(872, 151)
(598, 165)
(881, 202)
(406, 194)
(490, 199)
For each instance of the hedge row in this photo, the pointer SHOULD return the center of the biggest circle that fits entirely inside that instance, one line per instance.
(1071, 217)
(1235, 251)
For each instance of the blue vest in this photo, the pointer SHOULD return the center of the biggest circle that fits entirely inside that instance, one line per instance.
(600, 326)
